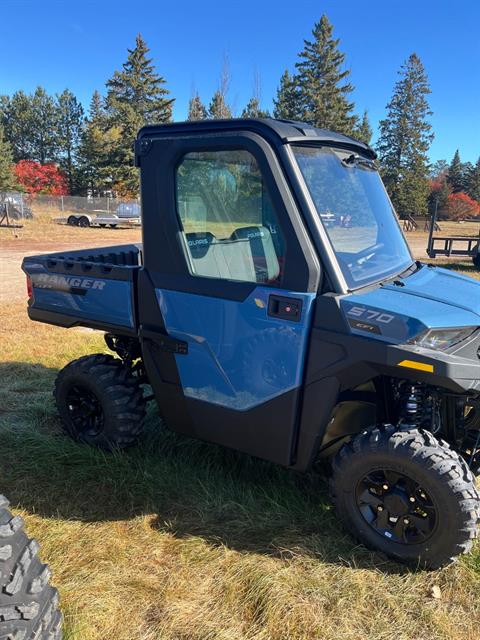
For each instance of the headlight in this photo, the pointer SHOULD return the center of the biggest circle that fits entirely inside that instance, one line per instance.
(441, 339)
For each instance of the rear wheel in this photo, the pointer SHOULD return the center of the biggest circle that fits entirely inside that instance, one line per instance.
(407, 494)
(83, 222)
(100, 402)
(28, 604)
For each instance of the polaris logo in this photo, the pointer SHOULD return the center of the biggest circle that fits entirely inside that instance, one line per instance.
(67, 284)
(199, 241)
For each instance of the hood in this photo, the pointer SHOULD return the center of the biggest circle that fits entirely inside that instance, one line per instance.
(427, 299)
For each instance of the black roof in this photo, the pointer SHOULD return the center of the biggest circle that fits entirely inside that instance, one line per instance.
(282, 130)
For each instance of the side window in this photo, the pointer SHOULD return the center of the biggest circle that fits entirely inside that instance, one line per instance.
(230, 228)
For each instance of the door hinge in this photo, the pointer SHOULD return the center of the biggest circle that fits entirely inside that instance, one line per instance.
(164, 342)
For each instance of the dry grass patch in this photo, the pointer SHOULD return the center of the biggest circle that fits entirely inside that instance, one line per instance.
(43, 229)
(181, 540)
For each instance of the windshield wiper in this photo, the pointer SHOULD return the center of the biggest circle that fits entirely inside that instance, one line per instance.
(354, 160)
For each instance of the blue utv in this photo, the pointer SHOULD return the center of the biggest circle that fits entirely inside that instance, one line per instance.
(274, 307)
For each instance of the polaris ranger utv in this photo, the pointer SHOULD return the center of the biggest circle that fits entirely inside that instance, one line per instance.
(263, 328)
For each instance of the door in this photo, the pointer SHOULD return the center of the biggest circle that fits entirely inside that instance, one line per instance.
(244, 328)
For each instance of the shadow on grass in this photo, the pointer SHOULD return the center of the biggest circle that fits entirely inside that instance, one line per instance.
(189, 488)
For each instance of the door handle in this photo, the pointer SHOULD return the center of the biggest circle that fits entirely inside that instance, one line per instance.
(285, 308)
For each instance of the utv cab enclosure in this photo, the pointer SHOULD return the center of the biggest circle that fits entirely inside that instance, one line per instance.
(274, 307)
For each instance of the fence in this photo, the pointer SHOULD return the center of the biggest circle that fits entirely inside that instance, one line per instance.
(25, 206)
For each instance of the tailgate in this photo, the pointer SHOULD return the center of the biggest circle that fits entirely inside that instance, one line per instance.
(81, 289)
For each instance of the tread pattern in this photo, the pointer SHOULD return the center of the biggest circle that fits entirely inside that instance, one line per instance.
(118, 391)
(28, 604)
(436, 457)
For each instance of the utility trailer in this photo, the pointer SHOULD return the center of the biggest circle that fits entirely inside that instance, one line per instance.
(87, 220)
(453, 246)
(258, 326)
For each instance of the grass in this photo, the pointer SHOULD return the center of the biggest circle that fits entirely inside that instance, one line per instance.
(180, 540)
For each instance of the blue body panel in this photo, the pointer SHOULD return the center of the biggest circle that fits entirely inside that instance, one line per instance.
(239, 356)
(101, 300)
(430, 298)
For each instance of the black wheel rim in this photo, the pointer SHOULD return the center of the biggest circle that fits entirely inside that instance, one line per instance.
(396, 507)
(85, 412)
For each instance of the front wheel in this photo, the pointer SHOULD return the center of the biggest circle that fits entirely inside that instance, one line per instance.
(406, 494)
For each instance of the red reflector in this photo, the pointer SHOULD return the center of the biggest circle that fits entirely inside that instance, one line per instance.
(29, 288)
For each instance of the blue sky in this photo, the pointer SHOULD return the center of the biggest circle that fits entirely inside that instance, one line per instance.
(78, 44)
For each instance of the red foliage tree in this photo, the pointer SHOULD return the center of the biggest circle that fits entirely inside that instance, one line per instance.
(41, 178)
(461, 206)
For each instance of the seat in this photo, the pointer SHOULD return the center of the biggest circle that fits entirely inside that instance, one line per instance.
(264, 256)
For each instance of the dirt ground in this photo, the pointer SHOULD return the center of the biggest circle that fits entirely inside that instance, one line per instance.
(46, 238)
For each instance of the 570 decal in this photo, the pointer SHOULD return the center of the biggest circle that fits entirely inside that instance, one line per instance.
(370, 314)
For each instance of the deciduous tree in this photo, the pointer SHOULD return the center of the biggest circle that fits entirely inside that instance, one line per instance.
(460, 206)
(37, 178)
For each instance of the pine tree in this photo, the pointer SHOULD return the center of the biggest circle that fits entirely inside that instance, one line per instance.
(287, 105)
(405, 137)
(96, 150)
(70, 126)
(218, 106)
(196, 108)
(254, 110)
(16, 119)
(439, 169)
(322, 79)
(43, 127)
(364, 131)
(136, 96)
(456, 174)
(473, 182)
(7, 179)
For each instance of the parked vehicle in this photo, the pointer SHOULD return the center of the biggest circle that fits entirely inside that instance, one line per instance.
(89, 220)
(18, 209)
(260, 328)
(128, 210)
(456, 246)
(28, 604)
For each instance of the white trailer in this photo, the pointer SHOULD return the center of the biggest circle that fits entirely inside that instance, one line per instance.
(89, 220)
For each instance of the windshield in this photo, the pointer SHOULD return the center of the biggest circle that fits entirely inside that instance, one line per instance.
(355, 210)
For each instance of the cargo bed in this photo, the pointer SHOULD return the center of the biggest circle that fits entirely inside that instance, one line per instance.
(88, 287)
